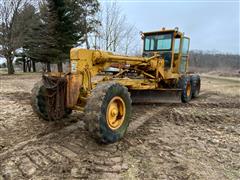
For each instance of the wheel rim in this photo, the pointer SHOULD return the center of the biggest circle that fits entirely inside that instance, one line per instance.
(115, 113)
(188, 89)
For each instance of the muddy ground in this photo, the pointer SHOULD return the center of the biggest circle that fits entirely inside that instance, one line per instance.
(198, 140)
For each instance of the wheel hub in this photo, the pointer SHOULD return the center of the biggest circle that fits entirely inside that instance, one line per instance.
(188, 89)
(115, 113)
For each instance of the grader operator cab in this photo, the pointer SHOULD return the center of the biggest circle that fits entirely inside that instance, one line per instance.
(160, 75)
(172, 46)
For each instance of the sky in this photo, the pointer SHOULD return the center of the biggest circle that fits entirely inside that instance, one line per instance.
(212, 25)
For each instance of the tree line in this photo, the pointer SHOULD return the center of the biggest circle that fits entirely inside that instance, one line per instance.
(44, 31)
(212, 61)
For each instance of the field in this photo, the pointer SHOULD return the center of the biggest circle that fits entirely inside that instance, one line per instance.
(198, 140)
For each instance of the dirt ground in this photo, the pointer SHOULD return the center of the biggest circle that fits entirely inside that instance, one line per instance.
(198, 140)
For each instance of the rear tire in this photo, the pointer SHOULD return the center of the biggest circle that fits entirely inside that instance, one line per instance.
(185, 85)
(97, 116)
(196, 85)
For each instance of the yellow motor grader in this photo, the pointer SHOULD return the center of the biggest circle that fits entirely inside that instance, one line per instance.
(106, 96)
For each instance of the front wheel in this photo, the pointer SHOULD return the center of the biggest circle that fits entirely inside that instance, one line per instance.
(107, 112)
(40, 104)
(38, 100)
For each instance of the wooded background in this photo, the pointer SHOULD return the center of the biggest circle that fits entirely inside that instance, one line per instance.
(37, 33)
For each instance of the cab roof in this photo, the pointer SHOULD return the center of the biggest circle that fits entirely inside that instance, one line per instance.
(163, 30)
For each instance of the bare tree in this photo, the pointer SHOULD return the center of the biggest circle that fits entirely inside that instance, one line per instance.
(90, 22)
(9, 10)
(114, 33)
(131, 41)
(112, 26)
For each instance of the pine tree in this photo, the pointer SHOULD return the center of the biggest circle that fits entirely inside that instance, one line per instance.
(65, 28)
(62, 24)
(27, 20)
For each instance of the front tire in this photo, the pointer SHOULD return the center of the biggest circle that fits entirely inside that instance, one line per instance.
(39, 102)
(107, 112)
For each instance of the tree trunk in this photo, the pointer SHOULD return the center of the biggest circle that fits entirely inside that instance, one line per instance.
(29, 65)
(86, 32)
(10, 66)
(60, 67)
(34, 66)
(87, 42)
(24, 65)
(48, 67)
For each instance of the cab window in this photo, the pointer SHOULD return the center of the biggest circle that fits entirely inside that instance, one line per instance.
(185, 46)
(177, 45)
(149, 44)
(164, 42)
(161, 42)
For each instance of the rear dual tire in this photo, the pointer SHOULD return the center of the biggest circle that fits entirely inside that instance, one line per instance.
(186, 86)
(190, 86)
(196, 85)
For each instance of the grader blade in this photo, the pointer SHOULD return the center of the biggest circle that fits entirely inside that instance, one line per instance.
(156, 96)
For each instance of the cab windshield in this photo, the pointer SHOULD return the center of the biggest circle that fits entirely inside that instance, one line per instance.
(161, 42)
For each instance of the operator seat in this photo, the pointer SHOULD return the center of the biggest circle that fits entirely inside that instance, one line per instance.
(167, 56)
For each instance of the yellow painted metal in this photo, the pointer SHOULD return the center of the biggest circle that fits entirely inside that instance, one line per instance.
(170, 75)
(86, 64)
(93, 62)
(136, 83)
(163, 30)
(116, 112)
(73, 89)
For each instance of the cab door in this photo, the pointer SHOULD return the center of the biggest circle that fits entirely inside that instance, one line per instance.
(185, 42)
